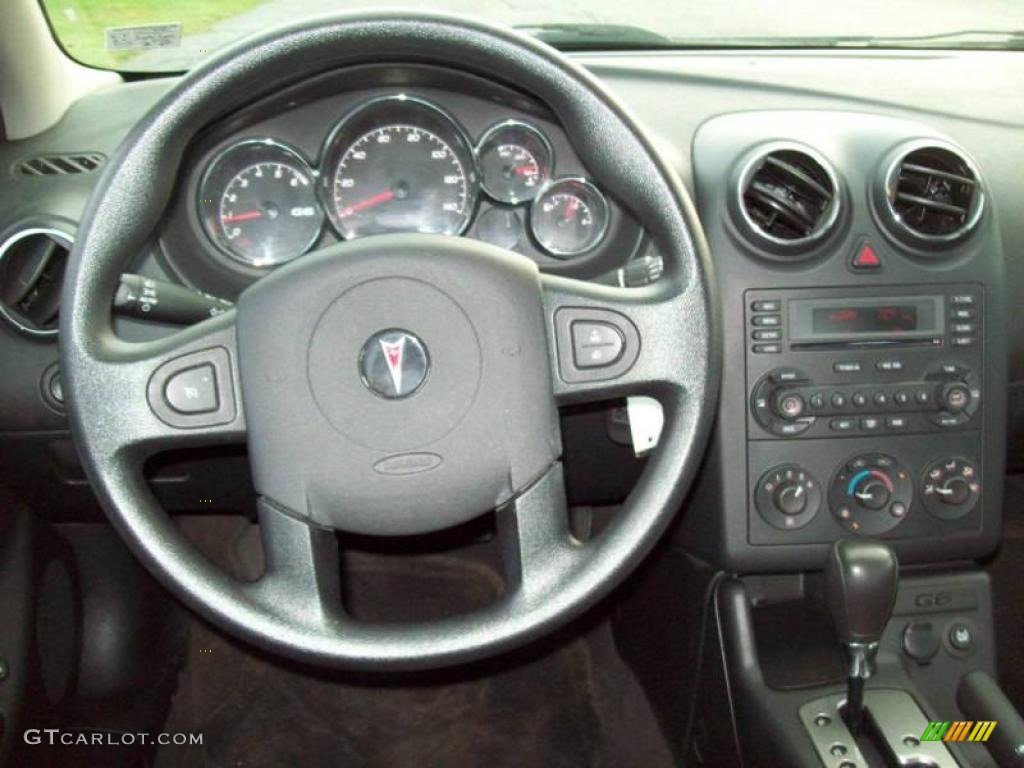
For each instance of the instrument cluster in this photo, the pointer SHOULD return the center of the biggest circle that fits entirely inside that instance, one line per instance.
(398, 163)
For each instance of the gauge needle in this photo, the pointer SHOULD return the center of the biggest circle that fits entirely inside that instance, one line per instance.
(369, 202)
(570, 208)
(522, 170)
(246, 216)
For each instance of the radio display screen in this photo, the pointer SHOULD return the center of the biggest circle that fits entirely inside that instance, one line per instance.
(871, 319)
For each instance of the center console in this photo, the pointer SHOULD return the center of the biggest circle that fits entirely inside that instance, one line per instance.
(861, 274)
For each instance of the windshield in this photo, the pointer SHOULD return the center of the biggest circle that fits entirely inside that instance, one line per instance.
(173, 35)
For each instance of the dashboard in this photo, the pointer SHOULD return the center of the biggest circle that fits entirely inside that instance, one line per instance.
(412, 149)
(861, 227)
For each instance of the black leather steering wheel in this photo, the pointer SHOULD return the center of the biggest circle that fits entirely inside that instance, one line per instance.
(329, 447)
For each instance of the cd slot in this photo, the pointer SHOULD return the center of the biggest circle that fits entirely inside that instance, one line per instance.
(866, 344)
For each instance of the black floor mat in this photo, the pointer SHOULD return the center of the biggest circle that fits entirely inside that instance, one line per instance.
(569, 704)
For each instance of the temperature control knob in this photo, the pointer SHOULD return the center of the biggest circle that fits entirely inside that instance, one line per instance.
(950, 488)
(870, 494)
(787, 496)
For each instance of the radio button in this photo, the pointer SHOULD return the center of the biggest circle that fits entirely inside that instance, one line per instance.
(766, 305)
(901, 397)
(963, 341)
(767, 349)
(956, 397)
(841, 425)
(767, 335)
(923, 396)
(791, 428)
(964, 328)
(790, 405)
(962, 299)
(949, 420)
(838, 400)
(889, 365)
(817, 401)
(881, 399)
(963, 314)
(846, 366)
(870, 423)
(766, 321)
(896, 422)
(859, 399)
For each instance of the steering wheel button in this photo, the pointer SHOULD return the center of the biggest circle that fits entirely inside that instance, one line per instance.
(596, 345)
(193, 390)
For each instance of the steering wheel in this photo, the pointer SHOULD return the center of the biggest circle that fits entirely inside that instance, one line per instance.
(396, 384)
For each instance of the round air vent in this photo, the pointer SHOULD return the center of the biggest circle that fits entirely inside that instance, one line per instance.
(32, 263)
(788, 198)
(932, 195)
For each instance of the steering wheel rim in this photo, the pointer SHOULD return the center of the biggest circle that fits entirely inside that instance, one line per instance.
(671, 330)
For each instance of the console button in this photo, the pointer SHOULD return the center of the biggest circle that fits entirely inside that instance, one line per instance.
(960, 636)
(963, 341)
(962, 299)
(963, 314)
(859, 399)
(817, 401)
(838, 400)
(846, 366)
(766, 305)
(841, 425)
(871, 423)
(963, 327)
(881, 399)
(901, 397)
(888, 366)
(896, 422)
(193, 390)
(790, 405)
(865, 259)
(787, 496)
(767, 335)
(956, 397)
(767, 321)
(767, 349)
(922, 396)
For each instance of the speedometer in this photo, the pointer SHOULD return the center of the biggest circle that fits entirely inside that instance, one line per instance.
(399, 165)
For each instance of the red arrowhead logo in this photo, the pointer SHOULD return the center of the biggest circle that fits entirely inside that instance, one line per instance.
(393, 353)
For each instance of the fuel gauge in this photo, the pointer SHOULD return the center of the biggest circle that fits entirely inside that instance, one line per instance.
(515, 161)
(569, 217)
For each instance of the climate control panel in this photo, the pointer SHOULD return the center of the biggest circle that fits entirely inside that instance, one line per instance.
(871, 494)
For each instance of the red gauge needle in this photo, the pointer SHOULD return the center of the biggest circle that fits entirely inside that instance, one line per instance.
(522, 170)
(242, 216)
(571, 205)
(369, 202)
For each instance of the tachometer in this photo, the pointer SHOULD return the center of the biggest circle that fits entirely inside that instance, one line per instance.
(399, 165)
(258, 203)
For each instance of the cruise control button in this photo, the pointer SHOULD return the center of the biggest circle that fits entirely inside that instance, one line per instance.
(193, 390)
(596, 345)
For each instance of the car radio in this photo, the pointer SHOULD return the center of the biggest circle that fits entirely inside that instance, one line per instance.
(844, 362)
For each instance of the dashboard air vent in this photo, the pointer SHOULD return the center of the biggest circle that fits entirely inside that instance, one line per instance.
(934, 194)
(32, 263)
(789, 197)
(61, 165)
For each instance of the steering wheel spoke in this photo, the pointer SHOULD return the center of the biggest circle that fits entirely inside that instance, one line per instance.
(302, 564)
(609, 342)
(179, 391)
(533, 530)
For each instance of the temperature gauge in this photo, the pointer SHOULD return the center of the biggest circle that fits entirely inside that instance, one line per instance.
(569, 217)
(515, 160)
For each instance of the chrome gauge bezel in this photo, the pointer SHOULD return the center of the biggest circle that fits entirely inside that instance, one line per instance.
(606, 210)
(208, 199)
(547, 168)
(391, 110)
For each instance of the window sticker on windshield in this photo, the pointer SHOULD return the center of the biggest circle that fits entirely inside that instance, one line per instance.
(142, 38)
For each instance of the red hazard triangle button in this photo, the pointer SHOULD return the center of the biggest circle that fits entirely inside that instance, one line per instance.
(865, 258)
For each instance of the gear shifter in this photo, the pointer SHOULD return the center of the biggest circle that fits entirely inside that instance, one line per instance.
(860, 580)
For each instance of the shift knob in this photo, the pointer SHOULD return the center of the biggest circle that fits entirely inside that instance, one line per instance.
(860, 579)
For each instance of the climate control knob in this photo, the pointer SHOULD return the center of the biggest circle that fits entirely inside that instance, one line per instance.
(787, 496)
(870, 494)
(950, 488)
